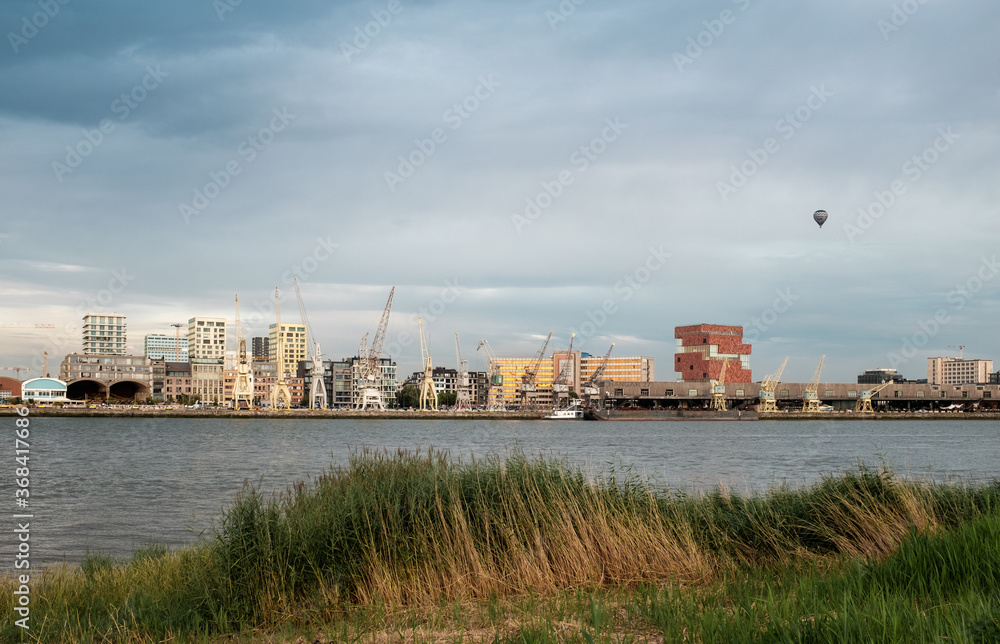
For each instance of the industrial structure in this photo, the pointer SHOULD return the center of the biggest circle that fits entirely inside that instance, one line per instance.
(317, 390)
(428, 394)
(243, 394)
(369, 374)
(463, 396)
(281, 397)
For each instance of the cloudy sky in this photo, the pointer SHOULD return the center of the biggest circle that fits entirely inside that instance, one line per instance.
(610, 168)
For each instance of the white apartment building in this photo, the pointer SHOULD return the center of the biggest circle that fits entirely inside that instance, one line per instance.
(958, 371)
(104, 334)
(206, 339)
(293, 345)
(158, 346)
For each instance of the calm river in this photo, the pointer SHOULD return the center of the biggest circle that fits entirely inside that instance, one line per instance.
(111, 485)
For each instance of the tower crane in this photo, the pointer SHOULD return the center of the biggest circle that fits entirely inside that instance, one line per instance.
(528, 385)
(243, 384)
(591, 388)
(368, 392)
(17, 369)
(317, 390)
(177, 341)
(561, 384)
(494, 398)
(961, 350)
(810, 398)
(462, 400)
(428, 394)
(719, 389)
(767, 401)
(864, 404)
(281, 397)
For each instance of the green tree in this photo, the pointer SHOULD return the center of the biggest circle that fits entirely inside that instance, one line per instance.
(447, 398)
(408, 396)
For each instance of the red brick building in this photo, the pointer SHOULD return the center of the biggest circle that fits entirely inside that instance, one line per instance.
(702, 349)
(10, 389)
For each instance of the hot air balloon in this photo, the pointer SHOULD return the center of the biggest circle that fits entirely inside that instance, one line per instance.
(820, 217)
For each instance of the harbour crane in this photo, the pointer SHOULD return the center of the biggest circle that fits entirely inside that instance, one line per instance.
(864, 404)
(281, 397)
(719, 389)
(317, 390)
(529, 388)
(561, 385)
(243, 384)
(428, 393)
(767, 401)
(462, 400)
(810, 398)
(591, 388)
(368, 392)
(494, 396)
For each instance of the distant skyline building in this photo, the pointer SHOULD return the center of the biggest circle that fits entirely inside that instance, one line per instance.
(293, 345)
(159, 346)
(703, 348)
(206, 339)
(958, 371)
(878, 376)
(104, 334)
(260, 348)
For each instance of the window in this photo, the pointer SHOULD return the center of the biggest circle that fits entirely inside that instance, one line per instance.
(920, 394)
(644, 392)
(897, 394)
(619, 392)
(965, 394)
(828, 393)
(783, 393)
(692, 392)
(669, 392)
(740, 393)
(852, 394)
(944, 394)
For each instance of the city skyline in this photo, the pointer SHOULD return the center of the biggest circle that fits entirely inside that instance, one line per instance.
(610, 171)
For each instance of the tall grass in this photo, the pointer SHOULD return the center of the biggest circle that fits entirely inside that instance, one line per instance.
(417, 528)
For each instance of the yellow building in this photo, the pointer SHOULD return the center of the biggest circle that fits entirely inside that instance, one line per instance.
(293, 340)
(581, 368)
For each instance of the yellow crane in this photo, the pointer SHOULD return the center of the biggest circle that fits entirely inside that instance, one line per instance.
(281, 397)
(767, 401)
(719, 389)
(243, 384)
(810, 398)
(428, 394)
(591, 388)
(864, 404)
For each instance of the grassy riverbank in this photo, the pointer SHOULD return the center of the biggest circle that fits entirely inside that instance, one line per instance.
(414, 547)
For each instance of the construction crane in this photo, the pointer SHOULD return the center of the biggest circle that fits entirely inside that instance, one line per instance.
(281, 397)
(243, 383)
(17, 369)
(317, 390)
(462, 399)
(561, 384)
(494, 396)
(864, 404)
(719, 389)
(810, 398)
(368, 393)
(767, 401)
(428, 394)
(961, 350)
(177, 341)
(591, 387)
(528, 384)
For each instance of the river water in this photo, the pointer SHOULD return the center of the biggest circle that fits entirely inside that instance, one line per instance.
(111, 485)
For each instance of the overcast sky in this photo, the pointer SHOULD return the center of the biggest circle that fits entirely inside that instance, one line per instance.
(610, 168)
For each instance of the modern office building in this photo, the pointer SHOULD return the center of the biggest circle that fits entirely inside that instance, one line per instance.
(158, 346)
(260, 348)
(703, 348)
(104, 334)
(206, 339)
(878, 376)
(958, 371)
(293, 345)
